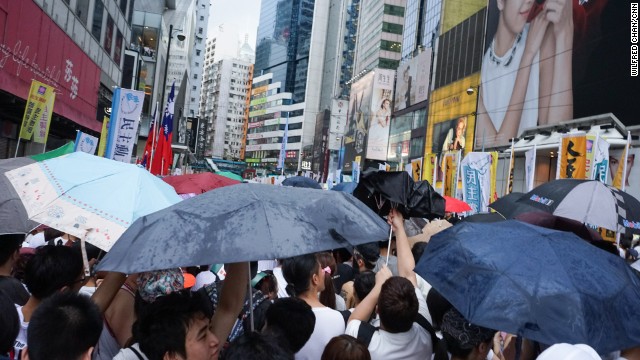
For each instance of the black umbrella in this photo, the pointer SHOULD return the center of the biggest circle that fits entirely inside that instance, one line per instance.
(509, 207)
(13, 215)
(550, 221)
(301, 181)
(587, 201)
(244, 222)
(483, 218)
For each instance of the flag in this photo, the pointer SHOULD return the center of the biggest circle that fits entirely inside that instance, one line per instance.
(530, 168)
(163, 154)
(476, 180)
(512, 163)
(619, 180)
(126, 108)
(86, 143)
(104, 135)
(283, 146)
(573, 156)
(494, 176)
(416, 167)
(428, 166)
(600, 160)
(151, 139)
(38, 112)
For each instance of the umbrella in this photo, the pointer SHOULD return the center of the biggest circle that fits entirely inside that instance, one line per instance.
(347, 187)
(88, 196)
(230, 175)
(541, 284)
(454, 205)
(381, 190)
(65, 149)
(551, 221)
(509, 207)
(13, 216)
(301, 181)
(245, 222)
(483, 218)
(587, 201)
(198, 183)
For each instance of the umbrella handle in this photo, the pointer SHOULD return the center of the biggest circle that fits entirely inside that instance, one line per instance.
(85, 260)
(250, 298)
(389, 244)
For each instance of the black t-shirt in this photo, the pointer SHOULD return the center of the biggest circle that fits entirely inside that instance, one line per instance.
(14, 289)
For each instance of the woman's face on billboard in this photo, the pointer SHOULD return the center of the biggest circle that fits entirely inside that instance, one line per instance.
(514, 13)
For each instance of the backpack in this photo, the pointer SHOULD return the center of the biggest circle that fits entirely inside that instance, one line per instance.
(366, 331)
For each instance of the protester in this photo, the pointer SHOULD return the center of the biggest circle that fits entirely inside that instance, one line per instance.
(465, 341)
(256, 346)
(306, 278)
(66, 326)
(9, 254)
(291, 322)
(267, 283)
(328, 296)
(345, 347)
(9, 326)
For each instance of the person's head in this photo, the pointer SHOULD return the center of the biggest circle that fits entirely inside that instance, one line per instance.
(417, 250)
(51, 233)
(9, 324)
(397, 305)
(267, 283)
(176, 327)
(461, 126)
(363, 283)
(54, 268)
(385, 104)
(65, 326)
(341, 255)
(328, 265)
(514, 14)
(303, 273)
(256, 346)
(464, 339)
(291, 320)
(365, 257)
(345, 347)
(10, 245)
(438, 306)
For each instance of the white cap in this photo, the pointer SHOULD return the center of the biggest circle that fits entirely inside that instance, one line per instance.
(569, 352)
(203, 278)
(34, 241)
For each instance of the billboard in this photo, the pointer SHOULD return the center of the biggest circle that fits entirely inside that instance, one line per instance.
(412, 84)
(455, 12)
(33, 47)
(358, 115)
(337, 122)
(378, 134)
(578, 67)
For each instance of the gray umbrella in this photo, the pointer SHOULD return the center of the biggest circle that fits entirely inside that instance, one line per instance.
(244, 222)
(13, 216)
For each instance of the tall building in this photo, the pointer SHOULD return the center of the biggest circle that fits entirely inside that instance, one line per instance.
(207, 105)
(75, 46)
(379, 39)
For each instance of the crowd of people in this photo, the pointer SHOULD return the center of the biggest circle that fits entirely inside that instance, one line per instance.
(361, 303)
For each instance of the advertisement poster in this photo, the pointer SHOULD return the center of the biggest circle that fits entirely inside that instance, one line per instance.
(632, 176)
(429, 168)
(123, 125)
(573, 157)
(600, 161)
(412, 84)
(530, 169)
(416, 169)
(86, 143)
(476, 180)
(594, 59)
(378, 135)
(358, 116)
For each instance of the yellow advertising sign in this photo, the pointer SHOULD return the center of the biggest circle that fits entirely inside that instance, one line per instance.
(573, 157)
(617, 179)
(455, 12)
(104, 135)
(37, 113)
(416, 168)
(428, 167)
(591, 139)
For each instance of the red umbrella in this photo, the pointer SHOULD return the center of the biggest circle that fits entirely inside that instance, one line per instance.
(198, 183)
(455, 206)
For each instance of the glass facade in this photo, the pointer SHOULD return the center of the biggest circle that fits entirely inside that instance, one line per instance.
(283, 41)
(422, 21)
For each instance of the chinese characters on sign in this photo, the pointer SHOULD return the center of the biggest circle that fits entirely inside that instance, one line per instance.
(37, 114)
(123, 125)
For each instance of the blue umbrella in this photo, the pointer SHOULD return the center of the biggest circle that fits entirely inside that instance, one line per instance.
(541, 284)
(301, 181)
(244, 222)
(347, 187)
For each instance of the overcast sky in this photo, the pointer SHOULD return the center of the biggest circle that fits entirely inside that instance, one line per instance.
(229, 21)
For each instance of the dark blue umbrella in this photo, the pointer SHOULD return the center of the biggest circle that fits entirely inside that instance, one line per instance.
(302, 182)
(509, 207)
(244, 222)
(347, 187)
(541, 284)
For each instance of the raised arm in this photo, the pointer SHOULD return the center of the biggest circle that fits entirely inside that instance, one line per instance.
(107, 290)
(231, 301)
(366, 307)
(406, 263)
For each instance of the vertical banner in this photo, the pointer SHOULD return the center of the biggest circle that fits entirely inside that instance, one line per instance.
(530, 168)
(86, 143)
(123, 126)
(356, 171)
(620, 180)
(428, 166)
(37, 113)
(591, 145)
(450, 173)
(494, 176)
(601, 160)
(104, 134)
(512, 163)
(416, 169)
(573, 161)
(409, 169)
(283, 146)
(476, 180)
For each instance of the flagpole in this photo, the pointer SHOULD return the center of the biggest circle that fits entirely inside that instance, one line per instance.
(17, 147)
(154, 137)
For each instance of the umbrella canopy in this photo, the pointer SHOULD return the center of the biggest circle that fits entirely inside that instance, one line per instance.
(88, 196)
(509, 207)
(65, 149)
(454, 205)
(198, 183)
(13, 216)
(541, 284)
(587, 201)
(483, 218)
(382, 190)
(241, 223)
(347, 187)
(301, 181)
(230, 175)
(551, 221)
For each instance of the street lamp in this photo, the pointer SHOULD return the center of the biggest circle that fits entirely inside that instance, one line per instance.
(180, 37)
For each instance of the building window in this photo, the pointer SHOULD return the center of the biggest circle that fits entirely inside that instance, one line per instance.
(390, 46)
(98, 12)
(108, 35)
(82, 11)
(201, 17)
(193, 88)
(200, 31)
(417, 147)
(393, 10)
(388, 63)
(197, 52)
(123, 6)
(392, 28)
(195, 76)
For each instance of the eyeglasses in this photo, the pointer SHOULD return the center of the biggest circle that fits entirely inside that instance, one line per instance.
(327, 270)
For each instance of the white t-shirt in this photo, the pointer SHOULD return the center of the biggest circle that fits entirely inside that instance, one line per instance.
(329, 323)
(498, 75)
(128, 354)
(414, 344)
(21, 340)
(340, 304)
(282, 283)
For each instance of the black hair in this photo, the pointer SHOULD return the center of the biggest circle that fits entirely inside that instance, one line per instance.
(455, 349)
(363, 283)
(51, 269)
(397, 305)
(9, 324)
(438, 306)
(64, 326)
(9, 244)
(51, 233)
(164, 324)
(256, 346)
(345, 347)
(341, 255)
(291, 321)
(298, 271)
(417, 250)
(327, 296)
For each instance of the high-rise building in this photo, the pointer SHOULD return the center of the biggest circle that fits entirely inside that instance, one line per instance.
(207, 105)
(379, 39)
